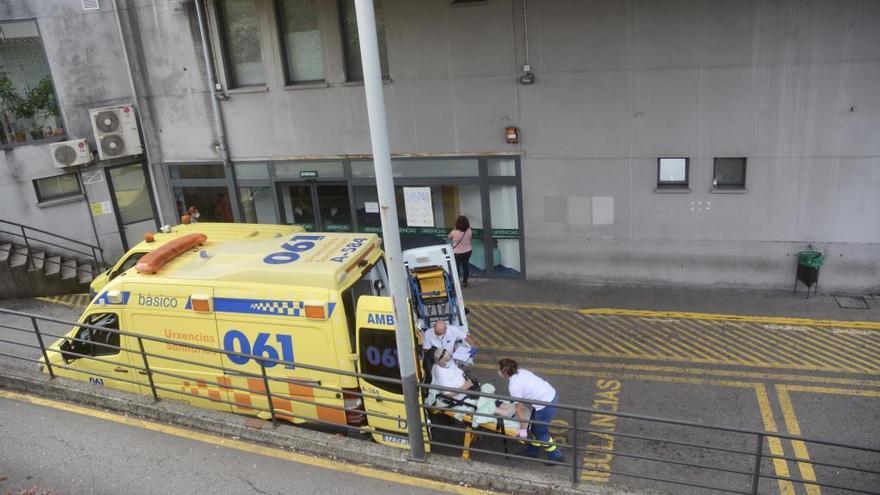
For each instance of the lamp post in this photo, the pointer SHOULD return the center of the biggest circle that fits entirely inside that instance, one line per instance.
(366, 21)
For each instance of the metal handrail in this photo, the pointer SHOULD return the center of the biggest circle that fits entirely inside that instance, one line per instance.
(94, 252)
(756, 456)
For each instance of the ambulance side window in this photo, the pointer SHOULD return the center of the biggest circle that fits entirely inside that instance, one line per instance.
(378, 356)
(98, 342)
(128, 263)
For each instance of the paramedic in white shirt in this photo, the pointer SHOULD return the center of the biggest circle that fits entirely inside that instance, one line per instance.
(446, 373)
(523, 384)
(446, 336)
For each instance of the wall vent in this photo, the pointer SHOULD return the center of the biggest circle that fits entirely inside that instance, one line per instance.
(90, 5)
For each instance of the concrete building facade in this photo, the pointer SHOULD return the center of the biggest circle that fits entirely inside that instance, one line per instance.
(681, 142)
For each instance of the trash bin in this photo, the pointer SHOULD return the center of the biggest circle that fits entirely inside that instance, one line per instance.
(809, 263)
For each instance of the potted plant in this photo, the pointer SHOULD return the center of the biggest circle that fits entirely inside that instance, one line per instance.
(9, 103)
(39, 106)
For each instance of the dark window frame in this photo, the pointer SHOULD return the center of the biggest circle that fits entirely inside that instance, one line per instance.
(666, 184)
(732, 186)
(223, 38)
(45, 139)
(340, 7)
(278, 12)
(42, 200)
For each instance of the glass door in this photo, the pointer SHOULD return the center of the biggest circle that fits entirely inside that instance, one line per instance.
(297, 205)
(133, 202)
(333, 207)
(320, 207)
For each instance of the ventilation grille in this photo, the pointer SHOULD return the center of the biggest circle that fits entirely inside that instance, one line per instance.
(90, 5)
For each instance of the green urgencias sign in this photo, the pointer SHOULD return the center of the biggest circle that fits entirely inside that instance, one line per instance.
(442, 232)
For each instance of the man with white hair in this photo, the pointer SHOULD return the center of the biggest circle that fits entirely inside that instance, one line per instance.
(453, 339)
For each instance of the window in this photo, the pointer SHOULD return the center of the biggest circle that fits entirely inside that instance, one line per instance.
(257, 204)
(28, 106)
(57, 187)
(98, 342)
(301, 41)
(212, 203)
(729, 173)
(127, 264)
(672, 172)
(200, 171)
(355, 71)
(240, 34)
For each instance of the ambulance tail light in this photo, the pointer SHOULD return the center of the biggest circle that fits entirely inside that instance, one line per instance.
(354, 407)
(315, 311)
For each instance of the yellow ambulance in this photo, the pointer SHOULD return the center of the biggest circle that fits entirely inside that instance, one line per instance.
(215, 230)
(317, 299)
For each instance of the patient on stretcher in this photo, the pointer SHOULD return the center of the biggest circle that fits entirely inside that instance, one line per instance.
(446, 373)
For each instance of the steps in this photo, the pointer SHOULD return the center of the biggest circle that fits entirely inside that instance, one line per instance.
(36, 272)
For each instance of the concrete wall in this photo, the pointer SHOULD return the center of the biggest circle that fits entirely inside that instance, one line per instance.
(791, 85)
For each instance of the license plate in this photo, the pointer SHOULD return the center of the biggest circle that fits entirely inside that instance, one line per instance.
(397, 440)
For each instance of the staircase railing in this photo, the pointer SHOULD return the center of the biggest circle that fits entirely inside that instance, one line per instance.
(31, 235)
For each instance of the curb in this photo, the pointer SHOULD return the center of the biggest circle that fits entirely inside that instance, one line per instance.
(302, 440)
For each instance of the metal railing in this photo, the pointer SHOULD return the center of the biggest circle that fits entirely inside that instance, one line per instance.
(32, 236)
(576, 448)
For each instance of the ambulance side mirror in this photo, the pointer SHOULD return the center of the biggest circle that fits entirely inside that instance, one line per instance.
(66, 348)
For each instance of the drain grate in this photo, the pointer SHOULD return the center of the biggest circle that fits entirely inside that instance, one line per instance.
(852, 302)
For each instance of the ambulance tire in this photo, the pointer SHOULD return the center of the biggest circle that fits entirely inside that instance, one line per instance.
(357, 434)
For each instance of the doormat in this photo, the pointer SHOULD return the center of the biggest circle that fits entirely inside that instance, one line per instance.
(852, 302)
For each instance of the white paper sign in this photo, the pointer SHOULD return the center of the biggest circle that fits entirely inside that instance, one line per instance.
(419, 210)
(371, 206)
(95, 177)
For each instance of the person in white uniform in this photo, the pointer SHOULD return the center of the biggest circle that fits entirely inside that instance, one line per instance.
(453, 339)
(523, 384)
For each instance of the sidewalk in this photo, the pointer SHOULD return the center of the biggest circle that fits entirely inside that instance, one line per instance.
(699, 300)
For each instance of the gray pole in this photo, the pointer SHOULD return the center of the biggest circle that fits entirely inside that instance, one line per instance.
(366, 20)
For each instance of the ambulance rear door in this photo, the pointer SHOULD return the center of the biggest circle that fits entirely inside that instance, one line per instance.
(377, 356)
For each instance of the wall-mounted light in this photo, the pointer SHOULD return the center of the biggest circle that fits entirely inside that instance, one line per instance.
(528, 77)
(512, 135)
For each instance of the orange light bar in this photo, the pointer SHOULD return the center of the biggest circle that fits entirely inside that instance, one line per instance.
(315, 312)
(156, 259)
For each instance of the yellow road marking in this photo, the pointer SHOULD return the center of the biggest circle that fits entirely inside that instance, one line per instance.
(834, 391)
(780, 465)
(782, 320)
(658, 336)
(633, 376)
(366, 472)
(72, 300)
(800, 449)
(707, 371)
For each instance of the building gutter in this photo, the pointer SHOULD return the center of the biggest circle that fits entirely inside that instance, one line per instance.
(137, 113)
(217, 112)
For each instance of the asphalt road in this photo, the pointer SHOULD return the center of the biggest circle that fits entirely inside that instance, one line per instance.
(69, 454)
(813, 378)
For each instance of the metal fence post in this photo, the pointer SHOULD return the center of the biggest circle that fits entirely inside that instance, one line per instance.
(30, 258)
(147, 368)
(759, 454)
(42, 347)
(574, 449)
(268, 392)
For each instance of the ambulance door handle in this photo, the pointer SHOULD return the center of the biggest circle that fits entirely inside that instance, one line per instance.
(120, 370)
(142, 372)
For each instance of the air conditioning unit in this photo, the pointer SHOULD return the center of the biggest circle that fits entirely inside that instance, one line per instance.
(70, 153)
(116, 131)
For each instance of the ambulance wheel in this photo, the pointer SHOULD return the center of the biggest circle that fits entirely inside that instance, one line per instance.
(357, 434)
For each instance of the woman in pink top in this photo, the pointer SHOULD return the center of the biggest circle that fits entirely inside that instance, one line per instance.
(461, 246)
